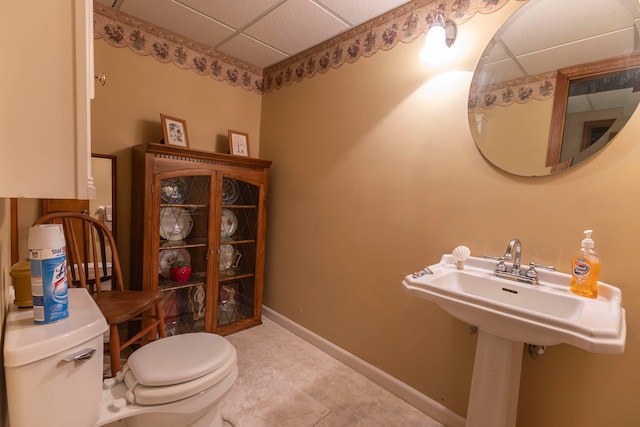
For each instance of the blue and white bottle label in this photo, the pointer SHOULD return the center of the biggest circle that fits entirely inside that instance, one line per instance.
(49, 286)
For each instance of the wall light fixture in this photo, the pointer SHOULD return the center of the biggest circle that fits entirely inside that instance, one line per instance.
(440, 37)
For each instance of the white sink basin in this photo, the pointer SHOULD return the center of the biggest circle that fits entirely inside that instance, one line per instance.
(547, 301)
(544, 314)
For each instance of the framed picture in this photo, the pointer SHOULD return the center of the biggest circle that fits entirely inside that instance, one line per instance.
(238, 143)
(174, 130)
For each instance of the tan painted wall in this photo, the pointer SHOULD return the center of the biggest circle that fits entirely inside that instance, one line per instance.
(375, 173)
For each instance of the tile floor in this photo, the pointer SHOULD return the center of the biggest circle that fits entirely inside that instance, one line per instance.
(352, 399)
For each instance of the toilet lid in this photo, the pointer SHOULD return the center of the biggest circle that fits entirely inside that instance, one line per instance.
(180, 358)
(145, 395)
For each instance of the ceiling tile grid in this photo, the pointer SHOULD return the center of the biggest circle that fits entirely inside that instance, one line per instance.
(295, 26)
(259, 32)
(356, 12)
(234, 13)
(178, 19)
(250, 50)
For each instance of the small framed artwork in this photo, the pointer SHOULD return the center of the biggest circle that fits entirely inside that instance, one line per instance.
(174, 130)
(238, 143)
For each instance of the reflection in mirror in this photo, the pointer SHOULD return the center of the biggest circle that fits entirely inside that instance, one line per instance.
(591, 104)
(516, 110)
(103, 168)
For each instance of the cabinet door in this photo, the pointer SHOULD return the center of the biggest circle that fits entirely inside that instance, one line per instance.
(237, 290)
(184, 258)
(45, 112)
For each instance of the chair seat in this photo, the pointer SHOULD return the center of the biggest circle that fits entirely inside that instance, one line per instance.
(120, 306)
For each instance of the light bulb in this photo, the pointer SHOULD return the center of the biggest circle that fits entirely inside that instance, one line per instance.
(435, 46)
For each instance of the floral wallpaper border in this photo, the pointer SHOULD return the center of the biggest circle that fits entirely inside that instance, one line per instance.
(403, 24)
(121, 30)
(520, 91)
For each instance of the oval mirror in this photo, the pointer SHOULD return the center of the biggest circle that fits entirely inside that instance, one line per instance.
(556, 84)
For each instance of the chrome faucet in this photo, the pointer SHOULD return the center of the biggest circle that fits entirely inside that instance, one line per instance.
(514, 244)
(514, 252)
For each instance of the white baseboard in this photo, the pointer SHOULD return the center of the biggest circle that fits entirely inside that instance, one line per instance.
(410, 395)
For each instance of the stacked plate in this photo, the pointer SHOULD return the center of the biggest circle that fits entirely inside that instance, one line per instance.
(229, 223)
(175, 223)
(230, 191)
(169, 257)
(174, 190)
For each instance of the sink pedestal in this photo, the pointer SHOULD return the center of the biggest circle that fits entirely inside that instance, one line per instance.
(496, 381)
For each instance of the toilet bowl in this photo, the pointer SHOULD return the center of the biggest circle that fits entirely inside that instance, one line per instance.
(54, 374)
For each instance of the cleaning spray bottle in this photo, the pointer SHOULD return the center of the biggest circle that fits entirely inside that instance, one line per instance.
(585, 269)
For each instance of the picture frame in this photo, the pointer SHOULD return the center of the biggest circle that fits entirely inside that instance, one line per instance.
(238, 143)
(174, 131)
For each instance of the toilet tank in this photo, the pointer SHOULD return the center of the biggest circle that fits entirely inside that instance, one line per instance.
(42, 388)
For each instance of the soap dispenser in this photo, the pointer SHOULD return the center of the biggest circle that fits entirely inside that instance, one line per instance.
(585, 269)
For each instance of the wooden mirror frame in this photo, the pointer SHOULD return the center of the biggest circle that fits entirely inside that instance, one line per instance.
(564, 78)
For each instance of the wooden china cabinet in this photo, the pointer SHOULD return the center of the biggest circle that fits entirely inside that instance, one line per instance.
(206, 210)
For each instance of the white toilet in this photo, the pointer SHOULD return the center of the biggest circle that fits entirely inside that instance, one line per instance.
(54, 374)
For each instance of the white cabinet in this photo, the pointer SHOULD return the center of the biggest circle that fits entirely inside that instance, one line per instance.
(46, 81)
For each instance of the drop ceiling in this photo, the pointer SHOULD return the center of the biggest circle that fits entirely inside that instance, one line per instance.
(257, 32)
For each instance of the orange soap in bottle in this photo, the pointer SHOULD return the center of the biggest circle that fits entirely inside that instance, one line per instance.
(585, 269)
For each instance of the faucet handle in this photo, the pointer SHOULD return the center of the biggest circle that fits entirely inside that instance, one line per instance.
(532, 269)
(501, 265)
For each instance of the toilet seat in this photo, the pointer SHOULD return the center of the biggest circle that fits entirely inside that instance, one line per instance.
(177, 367)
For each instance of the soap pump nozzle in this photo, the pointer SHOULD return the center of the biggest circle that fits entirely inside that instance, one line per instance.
(587, 242)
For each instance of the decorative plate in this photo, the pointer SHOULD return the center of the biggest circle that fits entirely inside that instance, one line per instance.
(230, 191)
(169, 257)
(229, 223)
(174, 190)
(175, 224)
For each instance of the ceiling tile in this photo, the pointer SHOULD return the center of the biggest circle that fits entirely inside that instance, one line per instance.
(178, 19)
(305, 22)
(497, 53)
(499, 71)
(581, 52)
(234, 13)
(611, 98)
(600, 101)
(548, 21)
(251, 51)
(358, 11)
(577, 104)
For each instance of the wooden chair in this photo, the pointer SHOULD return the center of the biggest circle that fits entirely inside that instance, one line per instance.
(89, 243)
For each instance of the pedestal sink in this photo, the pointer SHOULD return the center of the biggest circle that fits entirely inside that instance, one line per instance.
(508, 314)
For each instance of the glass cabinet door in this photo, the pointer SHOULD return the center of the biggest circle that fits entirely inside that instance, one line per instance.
(237, 251)
(183, 252)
